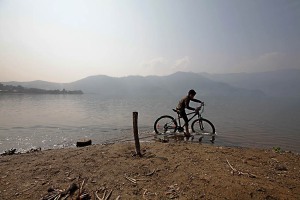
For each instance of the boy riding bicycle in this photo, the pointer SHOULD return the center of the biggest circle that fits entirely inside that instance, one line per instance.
(184, 104)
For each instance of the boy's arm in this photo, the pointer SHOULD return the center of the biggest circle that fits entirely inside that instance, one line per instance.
(187, 105)
(196, 100)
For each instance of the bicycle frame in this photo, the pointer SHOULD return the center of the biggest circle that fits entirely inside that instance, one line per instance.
(173, 124)
(189, 119)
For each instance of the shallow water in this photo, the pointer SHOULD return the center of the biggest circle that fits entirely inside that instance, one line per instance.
(53, 121)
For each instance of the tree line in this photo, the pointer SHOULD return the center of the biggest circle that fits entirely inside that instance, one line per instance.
(21, 89)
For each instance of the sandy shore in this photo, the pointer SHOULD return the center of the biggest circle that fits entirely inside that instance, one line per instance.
(177, 170)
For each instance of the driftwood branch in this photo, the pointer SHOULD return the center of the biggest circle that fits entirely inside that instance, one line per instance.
(235, 171)
(144, 194)
(105, 196)
(97, 195)
(57, 194)
(151, 173)
(130, 179)
(148, 193)
(28, 188)
(82, 185)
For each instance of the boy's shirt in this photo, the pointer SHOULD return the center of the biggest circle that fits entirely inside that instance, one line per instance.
(185, 103)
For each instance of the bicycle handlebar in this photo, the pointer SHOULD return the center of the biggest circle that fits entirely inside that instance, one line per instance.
(201, 107)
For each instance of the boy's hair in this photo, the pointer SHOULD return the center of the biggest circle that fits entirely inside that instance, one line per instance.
(192, 92)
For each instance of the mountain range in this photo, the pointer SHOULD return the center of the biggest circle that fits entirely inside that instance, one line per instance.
(280, 83)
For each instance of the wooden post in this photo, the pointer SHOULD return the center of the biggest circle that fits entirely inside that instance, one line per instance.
(136, 134)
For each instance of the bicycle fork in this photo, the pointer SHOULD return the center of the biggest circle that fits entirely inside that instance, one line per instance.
(201, 124)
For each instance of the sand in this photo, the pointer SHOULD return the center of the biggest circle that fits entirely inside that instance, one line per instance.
(174, 170)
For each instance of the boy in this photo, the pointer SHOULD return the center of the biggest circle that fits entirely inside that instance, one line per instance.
(184, 104)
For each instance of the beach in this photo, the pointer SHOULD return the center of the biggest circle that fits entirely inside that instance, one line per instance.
(173, 170)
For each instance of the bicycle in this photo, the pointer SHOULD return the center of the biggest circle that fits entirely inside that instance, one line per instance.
(166, 125)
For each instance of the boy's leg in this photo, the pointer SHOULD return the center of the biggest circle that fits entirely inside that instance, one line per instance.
(187, 132)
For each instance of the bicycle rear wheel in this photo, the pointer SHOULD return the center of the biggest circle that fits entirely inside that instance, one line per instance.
(203, 127)
(165, 124)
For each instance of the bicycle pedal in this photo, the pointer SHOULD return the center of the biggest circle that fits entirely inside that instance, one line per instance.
(180, 129)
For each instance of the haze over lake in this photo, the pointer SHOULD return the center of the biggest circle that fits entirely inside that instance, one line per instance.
(242, 117)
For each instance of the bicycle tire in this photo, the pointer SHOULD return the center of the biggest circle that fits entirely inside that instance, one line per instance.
(205, 127)
(164, 124)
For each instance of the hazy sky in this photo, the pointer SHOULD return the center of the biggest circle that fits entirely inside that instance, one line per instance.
(66, 40)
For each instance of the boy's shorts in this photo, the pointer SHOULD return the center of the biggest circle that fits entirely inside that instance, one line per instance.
(184, 116)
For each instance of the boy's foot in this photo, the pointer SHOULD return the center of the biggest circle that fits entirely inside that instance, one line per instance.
(192, 138)
(187, 135)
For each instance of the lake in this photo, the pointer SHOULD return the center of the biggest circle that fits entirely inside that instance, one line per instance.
(55, 121)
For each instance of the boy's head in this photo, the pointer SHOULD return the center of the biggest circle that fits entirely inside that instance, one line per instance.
(192, 93)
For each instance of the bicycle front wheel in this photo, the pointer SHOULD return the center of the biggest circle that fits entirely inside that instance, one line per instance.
(203, 127)
(165, 124)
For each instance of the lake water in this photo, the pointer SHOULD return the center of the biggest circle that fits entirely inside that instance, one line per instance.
(53, 121)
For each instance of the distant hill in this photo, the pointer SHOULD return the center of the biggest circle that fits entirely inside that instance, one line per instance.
(280, 83)
(38, 84)
(176, 84)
